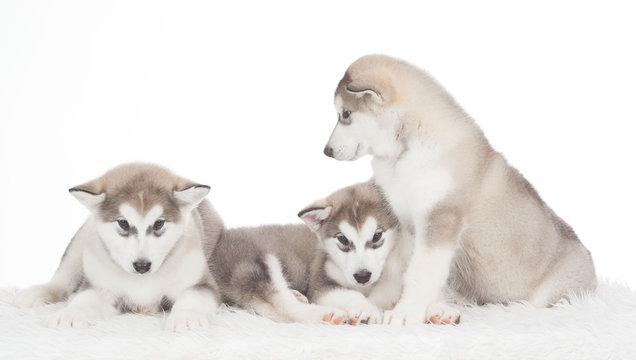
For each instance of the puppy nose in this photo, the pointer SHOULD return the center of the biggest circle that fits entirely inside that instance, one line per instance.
(142, 266)
(328, 151)
(362, 276)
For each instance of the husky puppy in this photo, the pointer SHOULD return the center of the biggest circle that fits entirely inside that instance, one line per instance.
(266, 269)
(477, 223)
(143, 248)
(361, 263)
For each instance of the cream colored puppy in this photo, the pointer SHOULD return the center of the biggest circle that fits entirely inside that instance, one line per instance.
(477, 223)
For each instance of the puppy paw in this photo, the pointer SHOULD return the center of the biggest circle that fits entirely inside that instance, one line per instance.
(334, 316)
(36, 296)
(443, 314)
(404, 314)
(315, 314)
(299, 296)
(186, 319)
(70, 317)
(146, 310)
(363, 313)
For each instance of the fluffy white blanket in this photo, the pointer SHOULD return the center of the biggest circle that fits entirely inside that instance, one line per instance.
(601, 326)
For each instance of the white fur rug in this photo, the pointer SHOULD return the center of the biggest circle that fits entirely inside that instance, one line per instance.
(601, 326)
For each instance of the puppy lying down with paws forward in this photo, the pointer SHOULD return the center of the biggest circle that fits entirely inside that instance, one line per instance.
(348, 261)
(143, 248)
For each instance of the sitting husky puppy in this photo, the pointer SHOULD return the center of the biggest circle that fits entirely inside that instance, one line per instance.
(361, 266)
(143, 248)
(266, 269)
(476, 222)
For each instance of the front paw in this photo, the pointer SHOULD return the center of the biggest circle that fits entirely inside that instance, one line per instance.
(184, 319)
(69, 317)
(146, 310)
(363, 312)
(333, 316)
(437, 313)
(36, 296)
(441, 313)
(404, 314)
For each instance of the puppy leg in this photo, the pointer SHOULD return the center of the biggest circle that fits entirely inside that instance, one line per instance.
(573, 274)
(83, 309)
(266, 309)
(357, 307)
(192, 308)
(66, 279)
(424, 280)
(293, 304)
(299, 296)
(427, 271)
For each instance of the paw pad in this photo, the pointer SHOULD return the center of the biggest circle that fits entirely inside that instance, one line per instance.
(327, 317)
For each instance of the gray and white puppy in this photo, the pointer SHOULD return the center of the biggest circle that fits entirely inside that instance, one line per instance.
(362, 260)
(476, 222)
(144, 247)
(266, 269)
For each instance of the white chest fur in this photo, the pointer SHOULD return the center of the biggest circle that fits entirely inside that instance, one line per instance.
(182, 270)
(413, 184)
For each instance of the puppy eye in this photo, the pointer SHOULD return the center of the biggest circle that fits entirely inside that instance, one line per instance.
(123, 224)
(377, 236)
(158, 225)
(346, 114)
(342, 239)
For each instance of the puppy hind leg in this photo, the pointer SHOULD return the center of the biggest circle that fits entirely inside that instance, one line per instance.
(299, 296)
(573, 275)
(250, 288)
(287, 304)
(266, 309)
(294, 305)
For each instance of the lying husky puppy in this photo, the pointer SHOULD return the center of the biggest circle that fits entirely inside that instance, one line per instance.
(472, 216)
(360, 268)
(143, 248)
(266, 269)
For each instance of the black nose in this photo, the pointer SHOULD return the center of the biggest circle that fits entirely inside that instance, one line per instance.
(362, 276)
(142, 266)
(328, 151)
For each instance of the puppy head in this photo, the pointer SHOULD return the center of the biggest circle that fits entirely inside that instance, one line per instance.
(141, 211)
(368, 116)
(357, 232)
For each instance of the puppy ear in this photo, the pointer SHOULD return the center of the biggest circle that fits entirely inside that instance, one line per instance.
(191, 195)
(88, 195)
(371, 83)
(361, 91)
(315, 215)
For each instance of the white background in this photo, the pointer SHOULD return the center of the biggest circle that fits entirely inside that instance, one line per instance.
(239, 96)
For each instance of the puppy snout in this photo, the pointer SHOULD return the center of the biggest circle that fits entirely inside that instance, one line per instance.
(328, 151)
(142, 266)
(362, 276)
